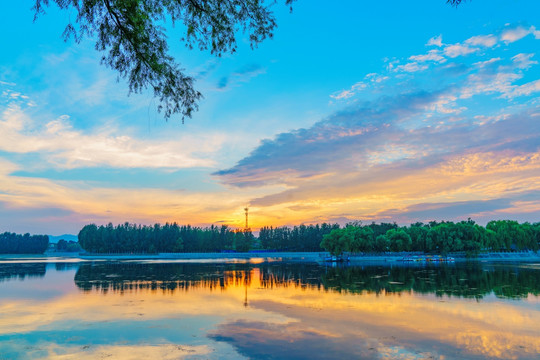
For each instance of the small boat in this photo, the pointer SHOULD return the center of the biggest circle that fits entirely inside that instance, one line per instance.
(442, 259)
(427, 259)
(406, 258)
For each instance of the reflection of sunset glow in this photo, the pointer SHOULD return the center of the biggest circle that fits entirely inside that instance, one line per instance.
(387, 321)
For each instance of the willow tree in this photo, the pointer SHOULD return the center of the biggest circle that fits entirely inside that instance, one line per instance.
(132, 37)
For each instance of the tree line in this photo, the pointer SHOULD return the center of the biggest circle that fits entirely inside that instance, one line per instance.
(133, 238)
(67, 246)
(434, 237)
(297, 238)
(11, 243)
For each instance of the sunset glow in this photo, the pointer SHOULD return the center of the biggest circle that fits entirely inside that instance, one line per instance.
(413, 118)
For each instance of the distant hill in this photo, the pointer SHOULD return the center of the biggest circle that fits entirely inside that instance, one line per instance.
(67, 237)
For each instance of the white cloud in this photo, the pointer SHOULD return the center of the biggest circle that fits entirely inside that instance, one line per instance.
(491, 76)
(435, 41)
(432, 55)
(456, 50)
(500, 79)
(376, 78)
(483, 120)
(482, 40)
(63, 146)
(517, 33)
(524, 90)
(14, 95)
(346, 94)
(523, 61)
(411, 67)
(483, 64)
(446, 105)
(500, 82)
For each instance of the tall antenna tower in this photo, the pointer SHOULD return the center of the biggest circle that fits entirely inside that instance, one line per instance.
(246, 209)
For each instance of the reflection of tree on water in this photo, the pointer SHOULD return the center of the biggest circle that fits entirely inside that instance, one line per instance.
(471, 280)
(168, 277)
(174, 276)
(62, 266)
(290, 275)
(20, 271)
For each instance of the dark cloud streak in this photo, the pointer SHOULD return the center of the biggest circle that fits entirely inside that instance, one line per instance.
(243, 74)
(330, 144)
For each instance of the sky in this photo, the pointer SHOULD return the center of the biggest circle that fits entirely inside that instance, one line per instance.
(372, 111)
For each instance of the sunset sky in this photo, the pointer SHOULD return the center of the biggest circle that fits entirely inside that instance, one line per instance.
(373, 111)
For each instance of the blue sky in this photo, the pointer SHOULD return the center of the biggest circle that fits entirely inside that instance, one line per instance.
(375, 111)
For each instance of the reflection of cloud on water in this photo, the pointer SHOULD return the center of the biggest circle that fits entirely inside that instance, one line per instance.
(495, 344)
(289, 319)
(261, 340)
(412, 324)
(123, 352)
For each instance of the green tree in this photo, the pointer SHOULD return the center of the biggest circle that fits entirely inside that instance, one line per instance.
(444, 238)
(382, 244)
(178, 245)
(534, 234)
(399, 240)
(509, 234)
(243, 241)
(418, 233)
(61, 245)
(335, 242)
(359, 239)
(382, 228)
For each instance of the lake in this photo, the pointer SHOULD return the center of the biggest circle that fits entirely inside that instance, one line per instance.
(73, 309)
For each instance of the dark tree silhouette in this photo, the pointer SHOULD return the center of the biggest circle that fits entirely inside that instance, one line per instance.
(129, 238)
(11, 243)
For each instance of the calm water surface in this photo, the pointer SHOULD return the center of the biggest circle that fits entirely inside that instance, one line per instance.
(271, 310)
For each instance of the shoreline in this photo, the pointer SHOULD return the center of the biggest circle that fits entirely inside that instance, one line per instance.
(317, 257)
(309, 257)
